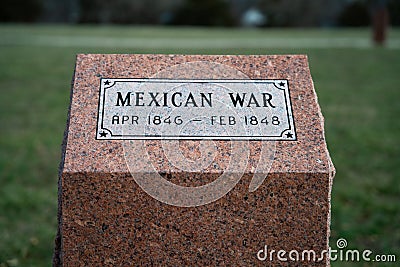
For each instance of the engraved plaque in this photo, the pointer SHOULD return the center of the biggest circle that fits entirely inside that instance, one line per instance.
(195, 109)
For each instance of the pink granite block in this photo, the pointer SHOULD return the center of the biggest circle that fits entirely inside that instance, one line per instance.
(107, 219)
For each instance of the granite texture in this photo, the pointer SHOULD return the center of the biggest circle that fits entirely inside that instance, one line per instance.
(106, 219)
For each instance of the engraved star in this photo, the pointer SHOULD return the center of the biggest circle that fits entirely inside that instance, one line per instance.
(282, 84)
(103, 134)
(289, 135)
(107, 82)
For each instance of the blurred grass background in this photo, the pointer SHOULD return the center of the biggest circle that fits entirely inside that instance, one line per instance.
(358, 89)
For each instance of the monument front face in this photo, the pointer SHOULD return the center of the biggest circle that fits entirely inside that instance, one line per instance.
(173, 160)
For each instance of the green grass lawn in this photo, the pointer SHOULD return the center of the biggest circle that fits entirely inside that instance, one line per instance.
(358, 89)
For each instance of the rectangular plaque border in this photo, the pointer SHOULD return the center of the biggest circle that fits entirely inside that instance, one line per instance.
(287, 98)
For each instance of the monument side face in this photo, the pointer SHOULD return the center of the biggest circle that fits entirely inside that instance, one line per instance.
(174, 160)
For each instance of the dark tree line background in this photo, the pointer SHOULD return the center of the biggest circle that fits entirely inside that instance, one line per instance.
(278, 13)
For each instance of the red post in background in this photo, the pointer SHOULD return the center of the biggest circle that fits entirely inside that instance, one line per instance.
(380, 21)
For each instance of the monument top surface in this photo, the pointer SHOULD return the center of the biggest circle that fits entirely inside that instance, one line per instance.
(194, 113)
